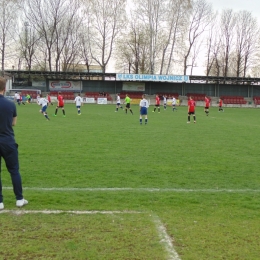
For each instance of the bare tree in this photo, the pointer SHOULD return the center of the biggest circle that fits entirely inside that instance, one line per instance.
(28, 43)
(228, 21)
(200, 17)
(132, 48)
(106, 21)
(176, 20)
(8, 19)
(213, 45)
(152, 14)
(53, 20)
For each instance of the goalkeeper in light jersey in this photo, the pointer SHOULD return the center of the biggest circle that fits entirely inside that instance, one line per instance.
(144, 104)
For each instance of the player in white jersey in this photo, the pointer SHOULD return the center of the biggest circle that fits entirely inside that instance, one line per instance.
(174, 104)
(79, 101)
(144, 104)
(17, 98)
(38, 98)
(164, 101)
(44, 103)
(118, 102)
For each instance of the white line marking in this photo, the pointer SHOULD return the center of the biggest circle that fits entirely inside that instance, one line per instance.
(165, 239)
(142, 190)
(20, 212)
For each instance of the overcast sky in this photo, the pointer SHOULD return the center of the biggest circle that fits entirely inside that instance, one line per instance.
(252, 6)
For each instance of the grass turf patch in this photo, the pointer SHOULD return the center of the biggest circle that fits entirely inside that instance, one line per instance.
(207, 173)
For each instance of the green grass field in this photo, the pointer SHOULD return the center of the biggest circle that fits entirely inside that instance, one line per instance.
(102, 186)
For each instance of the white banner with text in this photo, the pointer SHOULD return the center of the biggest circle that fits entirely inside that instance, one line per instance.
(148, 77)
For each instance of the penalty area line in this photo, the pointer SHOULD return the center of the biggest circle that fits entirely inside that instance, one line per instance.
(76, 212)
(176, 190)
(166, 240)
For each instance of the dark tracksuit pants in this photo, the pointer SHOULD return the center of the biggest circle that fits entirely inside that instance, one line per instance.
(9, 152)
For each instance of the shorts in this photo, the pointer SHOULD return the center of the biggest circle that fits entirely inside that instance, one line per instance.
(191, 113)
(118, 104)
(206, 107)
(157, 105)
(143, 111)
(77, 106)
(60, 106)
(127, 105)
(44, 109)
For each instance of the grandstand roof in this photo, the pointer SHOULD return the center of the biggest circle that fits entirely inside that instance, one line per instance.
(112, 76)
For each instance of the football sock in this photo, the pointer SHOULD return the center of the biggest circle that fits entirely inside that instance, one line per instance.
(131, 111)
(63, 112)
(159, 110)
(126, 111)
(140, 120)
(189, 118)
(56, 111)
(146, 120)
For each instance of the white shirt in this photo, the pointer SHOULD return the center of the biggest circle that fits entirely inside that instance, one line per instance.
(43, 102)
(174, 101)
(78, 100)
(118, 99)
(17, 96)
(164, 100)
(144, 103)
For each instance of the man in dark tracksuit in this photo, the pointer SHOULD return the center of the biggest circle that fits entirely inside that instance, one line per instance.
(8, 146)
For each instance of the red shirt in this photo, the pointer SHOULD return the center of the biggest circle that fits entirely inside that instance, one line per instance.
(60, 100)
(220, 102)
(49, 98)
(191, 104)
(157, 101)
(207, 102)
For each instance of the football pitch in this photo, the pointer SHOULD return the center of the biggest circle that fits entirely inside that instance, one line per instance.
(102, 186)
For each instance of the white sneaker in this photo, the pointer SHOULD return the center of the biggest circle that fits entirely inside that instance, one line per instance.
(2, 206)
(22, 202)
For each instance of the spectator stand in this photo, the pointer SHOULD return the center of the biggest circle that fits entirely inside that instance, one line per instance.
(233, 100)
(256, 100)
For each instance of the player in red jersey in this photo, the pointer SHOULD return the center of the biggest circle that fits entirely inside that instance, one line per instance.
(207, 104)
(220, 103)
(191, 109)
(157, 103)
(49, 99)
(60, 104)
